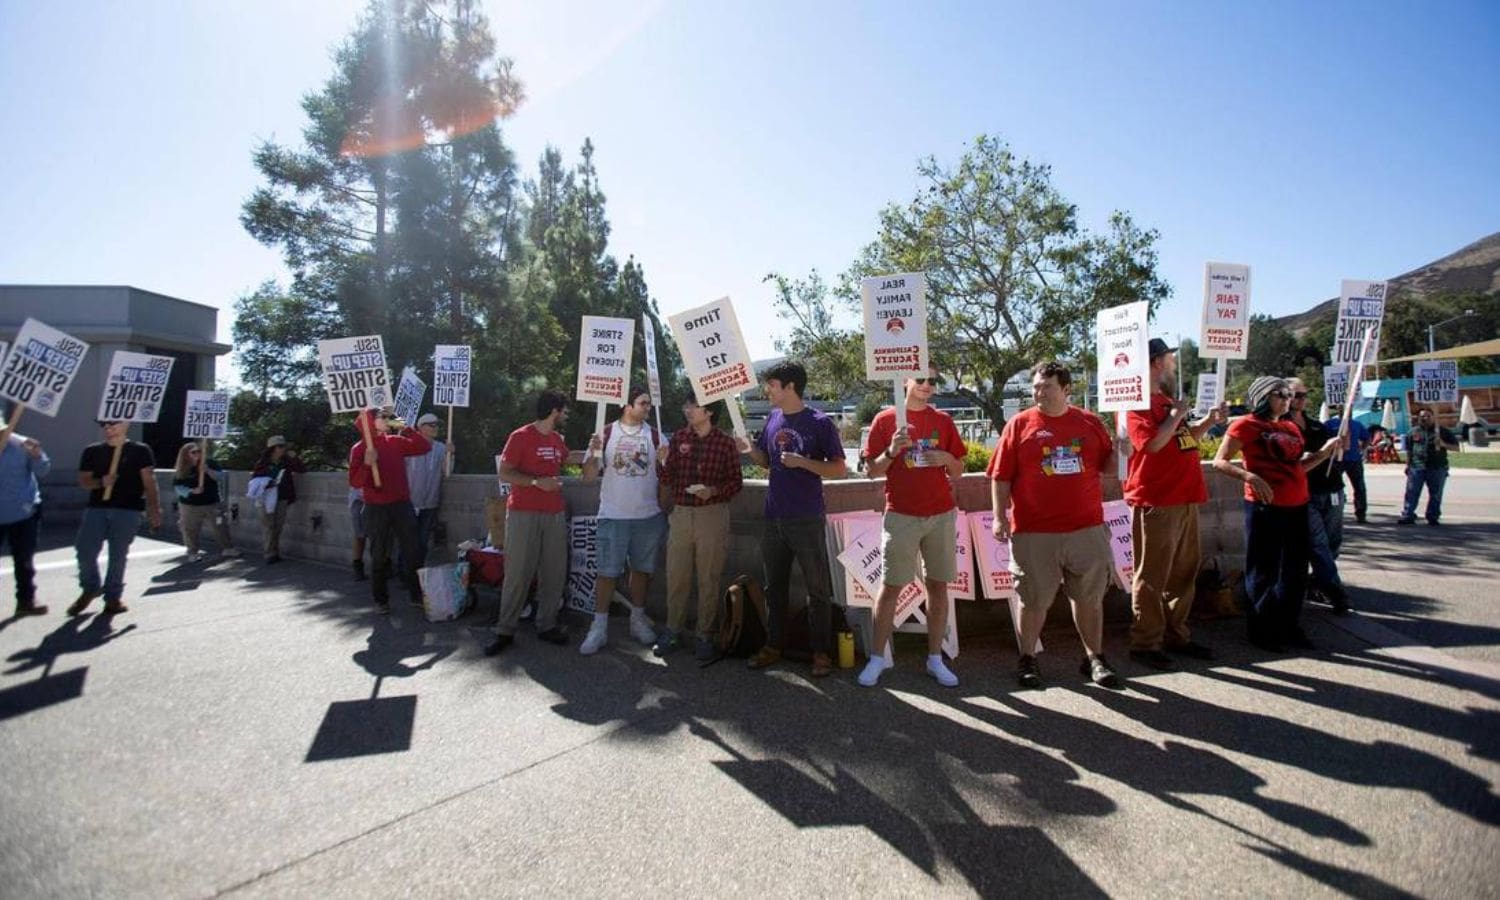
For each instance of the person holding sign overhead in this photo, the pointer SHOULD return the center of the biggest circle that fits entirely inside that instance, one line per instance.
(1164, 488)
(536, 524)
(920, 518)
(1046, 471)
(801, 447)
(378, 469)
(119, 475)
(631, 526)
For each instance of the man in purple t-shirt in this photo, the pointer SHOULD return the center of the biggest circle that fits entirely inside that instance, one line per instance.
(801, 447)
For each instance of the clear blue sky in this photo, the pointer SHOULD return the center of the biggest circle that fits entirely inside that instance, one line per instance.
(1313, 141)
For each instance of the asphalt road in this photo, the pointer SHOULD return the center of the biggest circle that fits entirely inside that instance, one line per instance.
(257, 731)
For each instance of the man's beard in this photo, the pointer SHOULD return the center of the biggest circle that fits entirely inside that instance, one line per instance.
(1167, 383)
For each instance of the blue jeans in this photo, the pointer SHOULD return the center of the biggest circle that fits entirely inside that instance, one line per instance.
(1276, 551)
(1325, 526)
(21, 536)
(782, 542)
(1434, 479)
(101, 524)
(1355, 473)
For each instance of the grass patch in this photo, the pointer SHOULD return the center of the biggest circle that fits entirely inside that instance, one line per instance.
(1489, 461)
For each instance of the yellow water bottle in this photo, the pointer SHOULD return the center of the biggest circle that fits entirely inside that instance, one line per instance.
(846, 649)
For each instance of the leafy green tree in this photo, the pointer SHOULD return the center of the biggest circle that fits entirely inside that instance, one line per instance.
(1012, 277)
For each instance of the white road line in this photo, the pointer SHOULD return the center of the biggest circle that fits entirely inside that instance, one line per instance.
(69, 563)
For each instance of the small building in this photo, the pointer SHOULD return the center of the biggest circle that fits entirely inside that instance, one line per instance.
(112, 318)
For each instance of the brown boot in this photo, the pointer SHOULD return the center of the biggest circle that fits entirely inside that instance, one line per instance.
(114, 608)
(822, 665)
(29, 607)
(83, 601)
(765, 656)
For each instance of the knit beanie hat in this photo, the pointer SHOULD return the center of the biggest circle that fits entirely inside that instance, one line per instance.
(1259, 394)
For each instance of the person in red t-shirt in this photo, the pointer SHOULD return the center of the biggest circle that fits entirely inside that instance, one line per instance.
(1047, 469)
(920, 518)
(1277, 544)
(536, 525)
(388, 510)
(1164, 487)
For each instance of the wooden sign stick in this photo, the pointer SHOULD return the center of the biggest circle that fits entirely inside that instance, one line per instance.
(114, 469)
(364, 426)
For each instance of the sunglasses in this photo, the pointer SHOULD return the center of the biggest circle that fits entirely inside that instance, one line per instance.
(1300, 395)
(935, 382)
(1280, 395)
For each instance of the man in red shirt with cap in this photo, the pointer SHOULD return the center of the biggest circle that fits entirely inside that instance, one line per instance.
(1164, 487)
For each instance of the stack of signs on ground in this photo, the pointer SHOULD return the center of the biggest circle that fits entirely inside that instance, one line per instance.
(452, 371)
(1226, 311)
(1124, 359)
(1117, 520)
(135, 387)
(354, 373)
(1335, 385)
(583, 561)
(714, 354)
(1361, 310)
(895, 308)
(206, 416)
(1208, 392)
(993, 557)
(409, 393)
(40, 367)
(1436, 381)
(604, 359)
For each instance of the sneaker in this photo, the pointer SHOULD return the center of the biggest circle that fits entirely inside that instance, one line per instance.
(822, 665)
(230, 553)
(765, 656)
(1340, 603)
(383, 607)
(271, 560)
(1406, 520)
(498, 645)
(941, 673)
(1152, 659)
(29, 608)
(1360, 518)
(666, 642)
(196, 556)
(704, 650)
(872, 671)
(1028, 673)
(555, 635)
(1095, 669)
(1433, 522)
(1296, 637)
(114, 608)
(83, 601)
(641, 629)
(1192, 650)
(595, 640)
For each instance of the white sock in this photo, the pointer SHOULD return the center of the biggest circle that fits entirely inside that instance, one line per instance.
(872, 671)
(638, 613)
(601, 621)
(937, 669)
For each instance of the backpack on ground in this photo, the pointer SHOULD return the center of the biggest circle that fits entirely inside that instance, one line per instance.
(742, 619)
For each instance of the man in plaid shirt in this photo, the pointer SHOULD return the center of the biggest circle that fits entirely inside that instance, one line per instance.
(700, 471)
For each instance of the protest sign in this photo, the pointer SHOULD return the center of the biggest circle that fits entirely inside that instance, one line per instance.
(134, 388)
(1335, 385)
(1226, 311)
(451, 374)
(1124, 360)
(653, 374)
(1361, 309)
(895, 308)
(604, 351)
(583, 561)
(409, 393)
(962, 587)
(1117, 520)
(206, 416)
(354, 373)
(715, 356)
(40, 367)
(862, 562)
(995, 578)
(1436, 381)
(1208, 392)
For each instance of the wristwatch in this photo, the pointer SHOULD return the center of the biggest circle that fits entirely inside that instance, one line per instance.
(533, 481)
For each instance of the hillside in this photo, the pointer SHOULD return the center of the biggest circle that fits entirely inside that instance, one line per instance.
(1473, 269)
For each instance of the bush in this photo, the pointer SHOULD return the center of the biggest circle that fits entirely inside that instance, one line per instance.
(977, 459)
(1208, 448)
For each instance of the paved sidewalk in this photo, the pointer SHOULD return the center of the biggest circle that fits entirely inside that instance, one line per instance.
(257, 731)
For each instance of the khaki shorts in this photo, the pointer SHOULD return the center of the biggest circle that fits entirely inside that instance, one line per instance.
(1079, 561)
(906, 538)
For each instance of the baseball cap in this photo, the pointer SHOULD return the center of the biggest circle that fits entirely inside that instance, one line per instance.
(428, 419)
(275, 441)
